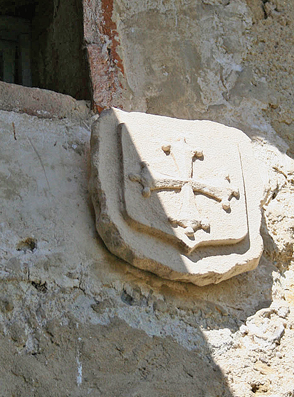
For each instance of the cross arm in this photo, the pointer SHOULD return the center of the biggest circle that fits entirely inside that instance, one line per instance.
(218, 192)
(155, 181)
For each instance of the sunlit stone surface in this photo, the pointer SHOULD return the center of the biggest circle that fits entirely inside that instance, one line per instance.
(175, 197)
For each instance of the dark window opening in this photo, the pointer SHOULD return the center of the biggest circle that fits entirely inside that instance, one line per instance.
(15, 41)
(41, 45)
(1, 66)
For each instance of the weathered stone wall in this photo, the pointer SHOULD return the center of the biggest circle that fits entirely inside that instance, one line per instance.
(229, 61)
(77, 321)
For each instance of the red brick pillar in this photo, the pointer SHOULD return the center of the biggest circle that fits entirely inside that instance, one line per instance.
(105, 64)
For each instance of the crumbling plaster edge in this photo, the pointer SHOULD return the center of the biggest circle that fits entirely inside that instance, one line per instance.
(42, 103)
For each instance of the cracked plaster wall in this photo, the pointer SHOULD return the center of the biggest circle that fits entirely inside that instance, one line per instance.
(77, 321)
(229, 61)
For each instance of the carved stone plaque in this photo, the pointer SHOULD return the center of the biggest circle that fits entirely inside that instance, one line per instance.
(175, 197)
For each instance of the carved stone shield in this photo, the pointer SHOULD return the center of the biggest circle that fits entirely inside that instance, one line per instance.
(178, 198)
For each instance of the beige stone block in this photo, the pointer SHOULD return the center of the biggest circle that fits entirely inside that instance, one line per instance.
(175, 197)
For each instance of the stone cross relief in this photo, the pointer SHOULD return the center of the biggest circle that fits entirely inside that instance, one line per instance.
(184, 157)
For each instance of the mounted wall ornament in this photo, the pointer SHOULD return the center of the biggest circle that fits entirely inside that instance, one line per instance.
(175, 197)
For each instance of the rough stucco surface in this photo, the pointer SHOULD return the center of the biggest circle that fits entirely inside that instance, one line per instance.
(228, 61)
(75, 320)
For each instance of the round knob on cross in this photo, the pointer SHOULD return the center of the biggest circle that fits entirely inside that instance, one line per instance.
(166, 147)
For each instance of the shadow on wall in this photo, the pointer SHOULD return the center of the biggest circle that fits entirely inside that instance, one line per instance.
(49, 186)
(214, 307)
(137, 356)
(241, 295)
